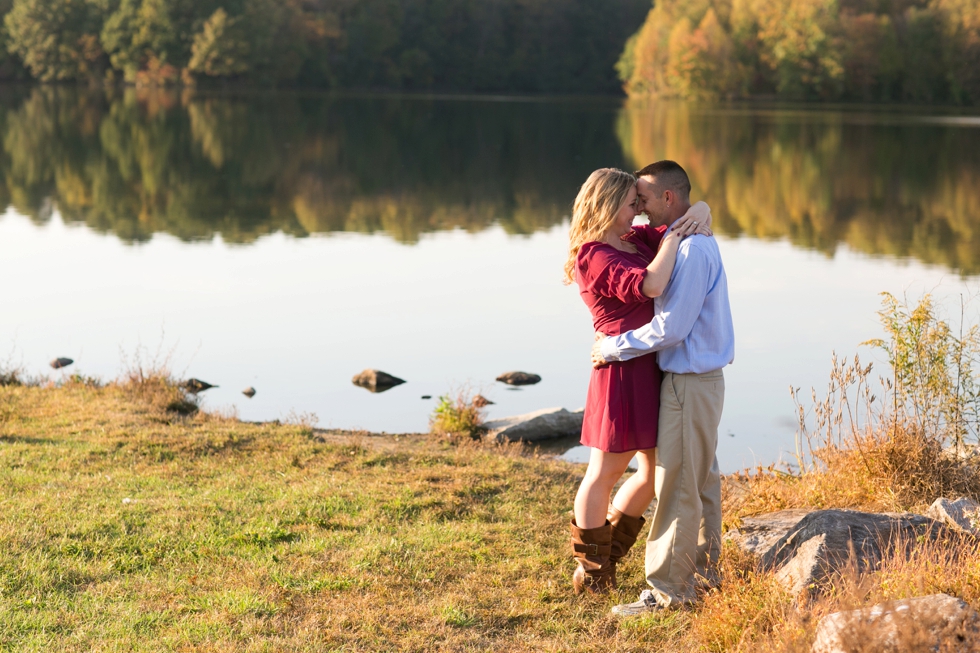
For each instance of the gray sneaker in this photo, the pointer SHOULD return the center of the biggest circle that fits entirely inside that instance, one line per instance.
(646, 604)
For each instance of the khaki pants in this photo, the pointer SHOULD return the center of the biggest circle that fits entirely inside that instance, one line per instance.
(685, 535)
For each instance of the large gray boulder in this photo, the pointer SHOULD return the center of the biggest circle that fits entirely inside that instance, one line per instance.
(543, 424)
(929, 623)
(757, 534)
(823, 542)
(962, 514)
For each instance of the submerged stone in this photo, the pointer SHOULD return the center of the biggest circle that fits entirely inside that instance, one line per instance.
(376, 380)
(194, 386)
(519, 378)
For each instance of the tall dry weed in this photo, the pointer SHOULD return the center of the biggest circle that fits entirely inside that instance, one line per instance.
(891, 442)
(148, 379)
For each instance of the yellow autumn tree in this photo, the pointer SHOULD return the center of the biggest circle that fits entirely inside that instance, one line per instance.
(684, 50)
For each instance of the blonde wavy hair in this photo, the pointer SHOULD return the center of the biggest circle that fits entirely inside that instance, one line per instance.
(598, 201)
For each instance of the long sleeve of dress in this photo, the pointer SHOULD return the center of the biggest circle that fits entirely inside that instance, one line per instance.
(649, 235)
(603, 272)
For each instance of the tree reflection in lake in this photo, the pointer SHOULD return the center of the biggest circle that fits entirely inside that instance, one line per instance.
(888, 184)
(135, 163)
(194, 166)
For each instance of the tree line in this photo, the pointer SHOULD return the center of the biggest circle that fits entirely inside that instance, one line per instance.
(460, 45)
(863, 50)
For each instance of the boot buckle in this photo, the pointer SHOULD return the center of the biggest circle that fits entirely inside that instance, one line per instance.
(593, 549)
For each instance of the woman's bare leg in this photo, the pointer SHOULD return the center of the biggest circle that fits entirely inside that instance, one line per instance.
(592, 500)
(638, 491)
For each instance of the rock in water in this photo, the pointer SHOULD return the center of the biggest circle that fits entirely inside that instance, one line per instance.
(963, 514)
(927, 623)
(480, 401)
(519, 378)
(822, 542)
(376, 381)
(58, 363)
(194, 386)
(249, 392)
(539, 425)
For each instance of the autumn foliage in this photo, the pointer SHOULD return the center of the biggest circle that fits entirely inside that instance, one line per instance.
(894, 50)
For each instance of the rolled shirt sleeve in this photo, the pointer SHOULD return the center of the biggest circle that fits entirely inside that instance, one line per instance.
(682, 302)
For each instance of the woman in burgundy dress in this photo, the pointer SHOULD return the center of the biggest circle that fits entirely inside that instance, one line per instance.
(619, 268)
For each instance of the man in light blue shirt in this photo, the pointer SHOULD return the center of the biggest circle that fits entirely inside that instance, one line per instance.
(692, 332)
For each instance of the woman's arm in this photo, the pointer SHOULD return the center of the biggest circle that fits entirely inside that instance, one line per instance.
(701, 212)
(660, 269)
(697, 219)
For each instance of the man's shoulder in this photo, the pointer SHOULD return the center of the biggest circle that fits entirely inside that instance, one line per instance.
(700, 246)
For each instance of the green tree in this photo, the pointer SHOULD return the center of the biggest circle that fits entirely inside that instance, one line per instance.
(139, 32)
(10, 65)
(799, 43)
(57, 39)
(221, 48)
(871, 57)
(924, 76)
(961, 31)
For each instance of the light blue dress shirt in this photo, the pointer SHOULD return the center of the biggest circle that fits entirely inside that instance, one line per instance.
(692, 323)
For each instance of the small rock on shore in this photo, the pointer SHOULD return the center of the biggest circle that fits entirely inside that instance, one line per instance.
(540, 425)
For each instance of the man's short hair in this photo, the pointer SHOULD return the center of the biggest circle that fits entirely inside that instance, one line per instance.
(669, 176)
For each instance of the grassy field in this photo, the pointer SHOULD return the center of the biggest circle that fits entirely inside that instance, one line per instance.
(128, 525)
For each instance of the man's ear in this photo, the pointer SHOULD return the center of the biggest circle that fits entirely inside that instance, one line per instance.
(669, 197)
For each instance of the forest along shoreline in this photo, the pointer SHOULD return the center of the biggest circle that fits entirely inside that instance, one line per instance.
(923, 51)
(298, 538)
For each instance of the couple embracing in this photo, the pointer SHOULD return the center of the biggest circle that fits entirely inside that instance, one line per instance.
(654, 289)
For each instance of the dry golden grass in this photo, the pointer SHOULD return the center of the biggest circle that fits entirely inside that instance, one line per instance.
(943, 566)
(897, 471)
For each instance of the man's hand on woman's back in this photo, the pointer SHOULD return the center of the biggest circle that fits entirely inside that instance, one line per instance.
(597, 359)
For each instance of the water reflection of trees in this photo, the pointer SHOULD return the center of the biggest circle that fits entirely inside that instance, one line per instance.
(135, 164)
(883, 185)
(195, 166)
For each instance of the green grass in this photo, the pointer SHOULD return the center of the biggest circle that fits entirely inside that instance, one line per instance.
(128, 526)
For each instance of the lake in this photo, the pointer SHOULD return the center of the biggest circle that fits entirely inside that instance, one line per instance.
(288, 241)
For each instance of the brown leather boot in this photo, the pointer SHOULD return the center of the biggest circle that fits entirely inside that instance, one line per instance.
(625, 530)
(591, 548)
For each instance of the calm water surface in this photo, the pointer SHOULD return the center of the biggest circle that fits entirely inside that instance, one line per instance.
(287, 242)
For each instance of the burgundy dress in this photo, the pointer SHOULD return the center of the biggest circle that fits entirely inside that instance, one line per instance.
(623, 405)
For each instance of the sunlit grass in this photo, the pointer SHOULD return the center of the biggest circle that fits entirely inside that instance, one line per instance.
(127, 525)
